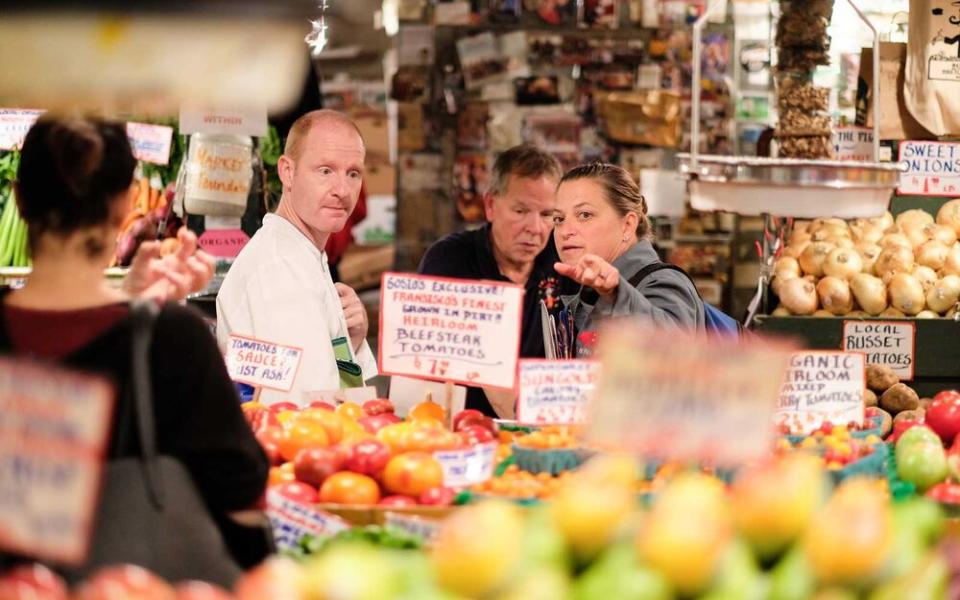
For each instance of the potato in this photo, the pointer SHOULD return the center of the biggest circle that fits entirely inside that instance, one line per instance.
(869, 398)
(916, 414)
(925, 403)
(881, 378)
(886, 423)
(898, 399)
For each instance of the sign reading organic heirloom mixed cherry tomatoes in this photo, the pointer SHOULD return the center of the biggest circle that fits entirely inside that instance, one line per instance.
(291, 520)
(458, 330)
(467, 466)
(262, 364)
(678, 397)
(555, 392)
(888, 343)
(53, 435)
(822, 386)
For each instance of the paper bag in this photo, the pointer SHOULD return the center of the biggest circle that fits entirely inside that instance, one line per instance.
(650, 117)
(933, 65)
(896, 122)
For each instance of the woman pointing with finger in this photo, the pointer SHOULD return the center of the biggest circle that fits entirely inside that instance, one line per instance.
(602, 234)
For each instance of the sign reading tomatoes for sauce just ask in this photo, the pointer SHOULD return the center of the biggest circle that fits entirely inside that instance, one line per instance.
(262, 364)
(556, 392)
(674, 397)
(822, 386)
(464, 331)
(929, 168)
(54, 426)
(888, 343)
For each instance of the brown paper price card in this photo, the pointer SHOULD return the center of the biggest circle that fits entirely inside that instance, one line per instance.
(677, 397)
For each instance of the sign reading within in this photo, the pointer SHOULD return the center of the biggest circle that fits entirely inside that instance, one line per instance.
(555, 392)
(450, 329)
(14, 124)
(53, 434)
(929, 168)
(469, 466)
(150, 143)
(889, 343)
(291, 520)
(231, 122)
(853, 144)
(822, 386)
(224, 243)
(675, 397)
(262, 364)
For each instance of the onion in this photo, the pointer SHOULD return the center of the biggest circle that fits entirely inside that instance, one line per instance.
(951, 266)
(843, 263)
(885, 222)
(917, 236)
(944, 294)
(866, 233)
(949, 215)
(914, 218)
(780, 312)
(906, 294)
(823, 314)
(798, 237)
(942, 233)
(932, 254)
(890, 240)
(799, 296)
(840, 241)
(801, 226)
(857, 313)
(926, 276)
(869, 254)
(892, 261)
(892, 313)
(869, 292)
(834, 294)
(787, 264)
(927, 314)
(813, 257)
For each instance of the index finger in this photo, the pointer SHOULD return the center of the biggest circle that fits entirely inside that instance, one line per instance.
(188, 243)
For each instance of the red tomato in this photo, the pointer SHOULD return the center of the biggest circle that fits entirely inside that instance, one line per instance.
(314, 464)
(438, 496)
(368, 457)
(948, 395)
(943, 416)
(302, 434)
(350, 488)
(397, 501)
(323, 405)
(298, 492)
(378, 407)
(412, 474)
(279, 407)
(475, 434)
(32, 582)
(375, 423)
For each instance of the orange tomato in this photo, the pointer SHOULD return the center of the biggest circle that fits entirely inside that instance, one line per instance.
(300, 435)
(349, 488)
(334, 424)
(396, 436)
(351, 410)
(427, 423)
(412, 473)
(429, 410)
(429, 440)
(282, 474)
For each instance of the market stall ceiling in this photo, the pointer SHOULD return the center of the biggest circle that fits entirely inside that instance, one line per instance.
(151, 57)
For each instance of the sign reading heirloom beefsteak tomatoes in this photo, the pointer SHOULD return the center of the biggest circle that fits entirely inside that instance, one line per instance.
(459, 330)
(889, 343)
(555, 392)
(929, 168)
(822, 386)
(53, 434)
(262, 364)
(686, 398)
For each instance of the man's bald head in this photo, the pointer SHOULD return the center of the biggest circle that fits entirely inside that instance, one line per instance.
(315, 118)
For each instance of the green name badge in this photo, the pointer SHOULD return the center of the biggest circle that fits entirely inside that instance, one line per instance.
(351, 375)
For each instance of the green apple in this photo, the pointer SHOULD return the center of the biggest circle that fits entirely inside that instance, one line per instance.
(916, 435)
(922, 464)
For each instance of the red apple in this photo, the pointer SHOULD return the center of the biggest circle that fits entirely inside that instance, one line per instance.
(32, 582)
(397, 501)
(314, 464)
(368, 457)
(298, 491)
(469, 414)
(471, 435)
(943, 416)
(323, 405)
(438, 496)
(125, 582)
(201, 590)
(375, 423)
(378, 407)
(278, 407)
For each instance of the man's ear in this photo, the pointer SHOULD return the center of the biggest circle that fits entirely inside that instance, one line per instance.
(488, 205)
(285, 169)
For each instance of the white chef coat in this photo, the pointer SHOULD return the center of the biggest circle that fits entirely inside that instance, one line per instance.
(279, 290)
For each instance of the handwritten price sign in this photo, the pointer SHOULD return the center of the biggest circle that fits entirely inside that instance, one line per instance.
(450, 329)
(53, 434)
(262, 364)
(467, 467)
(555, 392)
(150, 143)
(291, 520)
(890, 343)
(822, 386)
(930, 168)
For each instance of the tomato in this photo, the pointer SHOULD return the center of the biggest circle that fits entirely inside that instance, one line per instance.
(323, 405)
(412, 474)
(396, 436)
(315, 464)
(464, 417)
(124, 583)
(32, 582)
(375, 423)
(200, 590)
(943, 416)
(351, 410)
(397, 501)
(377, 407)
(300, 435)
(298, 491)
(333, 423)
(269, 439)
(368, 457)
(472, 435)
(350, 488)
(429, 410)
(438, 496)
(947, 395)
(278, 407)
(282, 474)
(428, 439)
